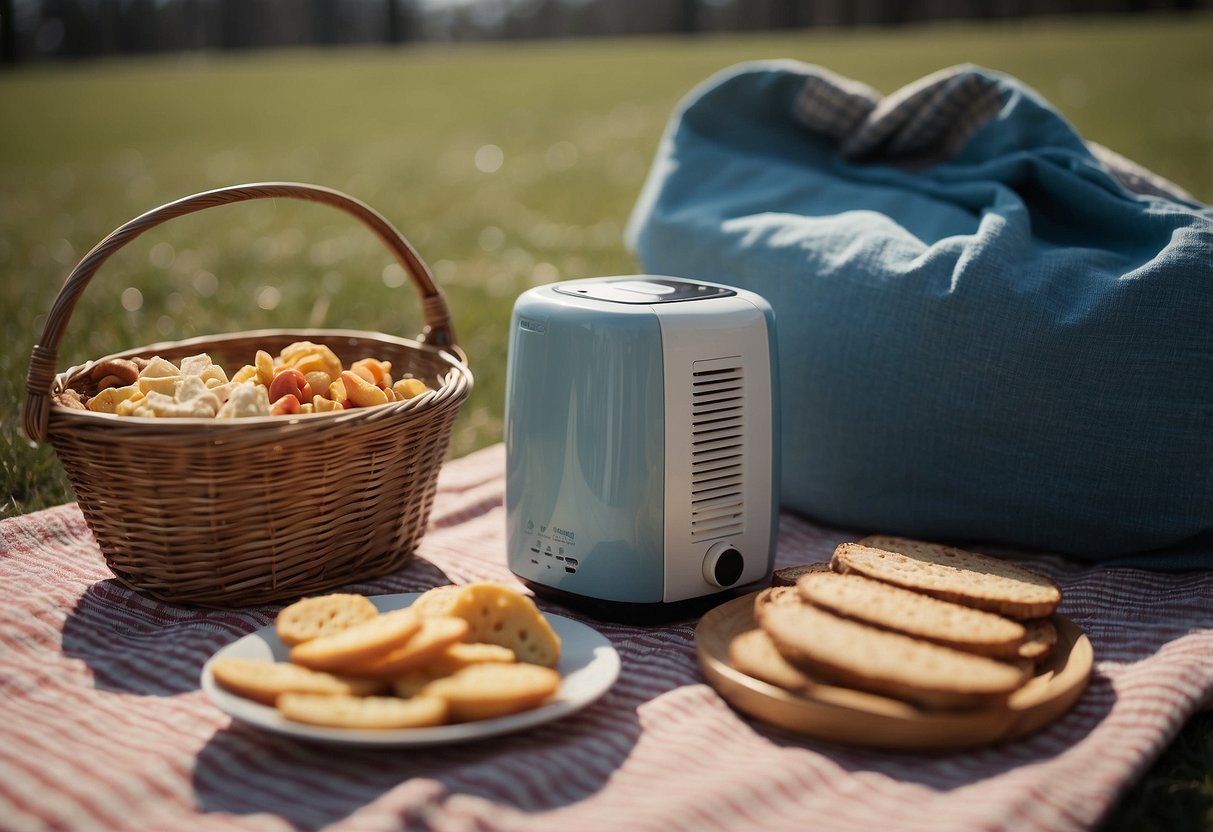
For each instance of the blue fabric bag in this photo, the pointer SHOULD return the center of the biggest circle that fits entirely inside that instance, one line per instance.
(989, 330)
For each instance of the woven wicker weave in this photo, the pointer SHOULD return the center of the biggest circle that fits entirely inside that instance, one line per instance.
(232, 512)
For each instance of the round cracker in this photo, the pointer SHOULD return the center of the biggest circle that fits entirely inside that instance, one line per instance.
(487, 691)
(497, 615)
(456, 657)
(264, 681)
(363, 712)
(321, 615)
(436, 634)
(358, 644)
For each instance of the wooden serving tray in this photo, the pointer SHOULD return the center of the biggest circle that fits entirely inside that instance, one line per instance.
(854, 717)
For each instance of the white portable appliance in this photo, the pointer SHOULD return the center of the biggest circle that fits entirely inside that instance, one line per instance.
(641, 433)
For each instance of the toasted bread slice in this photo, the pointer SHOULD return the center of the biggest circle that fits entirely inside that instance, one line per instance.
(893, 608)
(952, 574)
(863, 657)
(771, 596)
(788, 575)
(1040, 641)
(754, 654)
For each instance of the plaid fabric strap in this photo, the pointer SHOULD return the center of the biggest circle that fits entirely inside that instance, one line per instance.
(924, 122)
(931, 120)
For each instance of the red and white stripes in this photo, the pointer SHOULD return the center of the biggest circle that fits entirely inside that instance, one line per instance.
(102, 725)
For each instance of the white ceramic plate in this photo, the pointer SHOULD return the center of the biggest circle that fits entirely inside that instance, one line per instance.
(588, 666)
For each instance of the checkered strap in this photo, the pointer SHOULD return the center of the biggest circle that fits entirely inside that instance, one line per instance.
(921, 123)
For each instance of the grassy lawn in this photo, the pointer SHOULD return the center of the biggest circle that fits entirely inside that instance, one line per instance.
(506, 165)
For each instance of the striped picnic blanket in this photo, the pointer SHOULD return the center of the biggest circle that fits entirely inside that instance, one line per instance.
(103, 725)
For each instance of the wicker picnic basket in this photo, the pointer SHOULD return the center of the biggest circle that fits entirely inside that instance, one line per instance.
(234, 512)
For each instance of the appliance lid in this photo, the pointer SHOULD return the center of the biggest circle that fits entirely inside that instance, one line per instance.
(642, 290)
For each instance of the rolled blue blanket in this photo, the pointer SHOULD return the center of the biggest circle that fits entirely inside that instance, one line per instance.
(989, 329)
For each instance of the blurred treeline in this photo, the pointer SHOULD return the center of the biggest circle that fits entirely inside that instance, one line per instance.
(32, 30)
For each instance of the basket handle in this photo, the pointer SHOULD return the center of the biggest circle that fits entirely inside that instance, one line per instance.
(438, 329)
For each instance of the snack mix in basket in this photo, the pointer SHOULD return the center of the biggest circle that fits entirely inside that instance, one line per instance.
(304, 378)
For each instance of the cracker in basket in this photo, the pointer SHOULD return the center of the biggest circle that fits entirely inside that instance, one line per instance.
(498, 615)
(359, 643)
(107, 400)
(487, 691)
(71, 399)
(363, 712)
(437, 633)
(244, 399)
(309, 357)
(265, 681)
(408, 388)
(305, 378)
(114, 372)
(321, 615)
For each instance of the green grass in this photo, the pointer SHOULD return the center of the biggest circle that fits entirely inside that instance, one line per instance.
(84, 147)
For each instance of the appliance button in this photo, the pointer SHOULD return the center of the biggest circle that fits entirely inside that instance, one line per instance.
(645, 287)
(723, 565)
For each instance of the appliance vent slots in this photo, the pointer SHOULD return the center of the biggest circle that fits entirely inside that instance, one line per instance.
(717, 451)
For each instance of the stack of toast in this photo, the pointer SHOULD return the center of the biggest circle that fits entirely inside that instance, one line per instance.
(933, 625)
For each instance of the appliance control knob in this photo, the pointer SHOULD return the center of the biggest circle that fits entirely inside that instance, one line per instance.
(723, 565)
